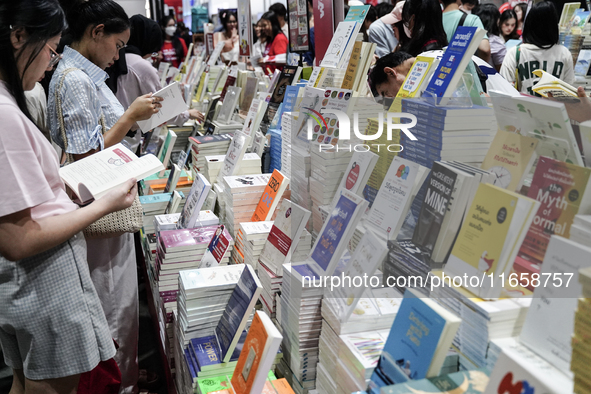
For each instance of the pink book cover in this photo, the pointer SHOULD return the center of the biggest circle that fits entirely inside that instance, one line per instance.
(323, 27)
(185, 239)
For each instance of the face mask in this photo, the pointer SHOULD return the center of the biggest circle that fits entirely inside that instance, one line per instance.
(170, 30)
(468, 11)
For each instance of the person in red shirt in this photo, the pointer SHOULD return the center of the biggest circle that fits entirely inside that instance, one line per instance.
(174, 50)
(276, 42)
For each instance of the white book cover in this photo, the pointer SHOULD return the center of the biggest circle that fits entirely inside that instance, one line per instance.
(172, 105)
(370, 252)
(284, 236)
(234, 154)
(549, 324)
(246, 183)
(95, 175)
(229, 104)
(357, 173)
(255, 114)
(393, 200)
(517, 366)
(338, 44)
(214, 278)
(194, 202)
(312, 101)
(251, 228)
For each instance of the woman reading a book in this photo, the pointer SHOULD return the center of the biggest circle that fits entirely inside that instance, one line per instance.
(508, 25)
(540, 50)
(52, 326)
(93, 119)
(276, 43)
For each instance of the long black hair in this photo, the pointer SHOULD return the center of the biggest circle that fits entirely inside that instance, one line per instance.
(541, 26)
(272, 18)
(42, 20)
(507, 15)
(225, 18)
(176, 42)
(82, 14)
(489, 15)
(427, 33)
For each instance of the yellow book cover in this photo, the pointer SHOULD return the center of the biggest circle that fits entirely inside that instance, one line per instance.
(349, 80)
(510, 158)
(482, 236)
(415, 77)
(202, 83)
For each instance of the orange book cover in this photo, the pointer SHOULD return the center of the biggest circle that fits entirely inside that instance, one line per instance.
(268, 202)
(282, 386)
(250, 357)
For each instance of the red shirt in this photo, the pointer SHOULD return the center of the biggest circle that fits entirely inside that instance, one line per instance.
(169, 54)
(277, 47)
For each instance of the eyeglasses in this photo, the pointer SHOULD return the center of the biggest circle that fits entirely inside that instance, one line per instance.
(55, 57)
(120, 47)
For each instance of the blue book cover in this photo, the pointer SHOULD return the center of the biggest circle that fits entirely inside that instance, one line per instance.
(207, 352)
(155, 198)
(414, 337)
(289, 100)
(424, 143)
(330, 238)
(426, 150)
(475, 110)
(190, 365)
(450, 62)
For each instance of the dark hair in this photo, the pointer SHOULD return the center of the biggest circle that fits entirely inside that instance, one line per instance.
(93, 13)
(523, 7)
(225, 18)
(507, 15)
(272, 18)
(378, 76)
(145, 36)
(473, 2)
(176, 42)
(372, 14)
(279, 10)
(42, 20)
(489, 15)
(541, 26)
(427, 33)
(383, 9)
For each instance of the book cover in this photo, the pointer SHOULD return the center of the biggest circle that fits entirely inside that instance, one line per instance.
(234, 154)
(454, 61)
(561, 189)
(284, 236)
(194, 202)
(435, 205)
(185, 239)
(510, 158)
(285, 79)
(421, 332)
(207, 352)
(336, 231)
(416, 77)
(463, 382)
(349, 80)
(270, 197)
(549, 324)
(393, 199)
(217, 248)
(357, 173)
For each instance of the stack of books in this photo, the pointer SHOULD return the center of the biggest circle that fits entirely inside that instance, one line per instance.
(286, 155)
(301, 321)
(183, 133)
(276, 150)
(408, 261)
(153, 205)
(207, 145)
(300, 169)
(181, 250)
(250, 239)
(580, 230)
(482, 321)
(581, 342)
(170, 221)
(239, 198)
(250, 164)
(448, 133)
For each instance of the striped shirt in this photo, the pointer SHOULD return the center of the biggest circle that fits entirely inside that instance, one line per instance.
(85, 97)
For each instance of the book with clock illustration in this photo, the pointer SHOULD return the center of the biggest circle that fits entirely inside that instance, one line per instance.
(510, 157)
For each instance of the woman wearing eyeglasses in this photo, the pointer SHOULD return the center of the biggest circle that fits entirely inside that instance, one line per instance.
(99, 29)
(52, 326)
(174, 50)
(229, 35)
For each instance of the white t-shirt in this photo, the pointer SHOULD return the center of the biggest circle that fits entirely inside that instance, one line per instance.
(557, 61)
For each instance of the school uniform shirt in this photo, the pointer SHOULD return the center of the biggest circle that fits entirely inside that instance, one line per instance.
(169, 53)
(557, 61)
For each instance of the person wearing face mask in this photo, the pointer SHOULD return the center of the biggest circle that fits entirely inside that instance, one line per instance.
(468, 6)
(140, 76)
(52, 326)
(384, 32)
(174, 50)
(94, 119)
(454, 17)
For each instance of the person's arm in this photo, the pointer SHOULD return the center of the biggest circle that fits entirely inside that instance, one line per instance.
(21, 236)
(580, 111)
(483, 51)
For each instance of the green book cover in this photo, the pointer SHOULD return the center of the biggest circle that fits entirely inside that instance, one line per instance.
(207, 385)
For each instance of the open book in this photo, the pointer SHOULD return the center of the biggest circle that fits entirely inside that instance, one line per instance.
(172, 105)
(548, 83)
(95, 175)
